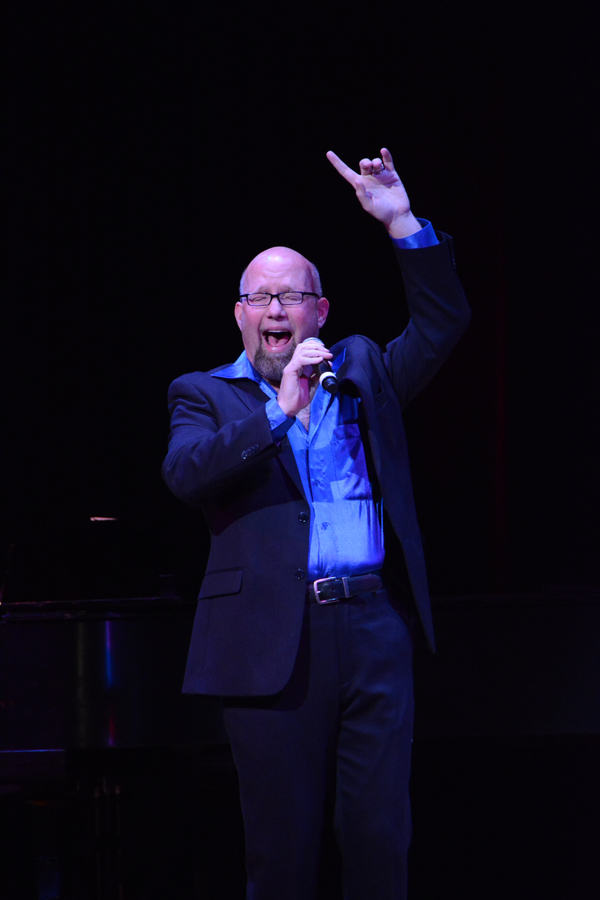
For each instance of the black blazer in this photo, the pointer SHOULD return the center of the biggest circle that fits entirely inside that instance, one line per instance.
(222, 459)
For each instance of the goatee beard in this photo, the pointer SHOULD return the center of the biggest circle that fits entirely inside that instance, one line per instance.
(271, 367)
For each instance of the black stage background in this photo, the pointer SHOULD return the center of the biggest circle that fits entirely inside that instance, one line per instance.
(154, 149)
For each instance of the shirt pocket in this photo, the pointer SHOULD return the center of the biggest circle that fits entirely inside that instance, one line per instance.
(349, 464)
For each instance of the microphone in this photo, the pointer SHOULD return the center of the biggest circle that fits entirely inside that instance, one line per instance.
(327, 377)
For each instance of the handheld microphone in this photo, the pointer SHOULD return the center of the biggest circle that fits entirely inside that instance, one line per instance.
(327, 377)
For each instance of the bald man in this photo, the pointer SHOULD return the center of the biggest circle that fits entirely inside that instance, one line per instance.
(316, 574)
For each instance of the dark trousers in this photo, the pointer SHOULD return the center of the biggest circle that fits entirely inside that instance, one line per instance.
(343, 723)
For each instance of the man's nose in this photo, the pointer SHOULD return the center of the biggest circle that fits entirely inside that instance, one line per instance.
(275, 307)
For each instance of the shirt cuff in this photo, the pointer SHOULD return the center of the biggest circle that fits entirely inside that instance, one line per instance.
(426, 237)
(280, 423)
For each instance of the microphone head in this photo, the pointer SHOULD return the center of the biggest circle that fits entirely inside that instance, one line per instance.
(328, 382)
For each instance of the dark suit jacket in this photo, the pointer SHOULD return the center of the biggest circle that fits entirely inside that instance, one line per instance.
(222, 459)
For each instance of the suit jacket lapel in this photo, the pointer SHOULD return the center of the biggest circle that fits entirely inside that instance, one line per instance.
(252, 397)
(288, 461)
(249, 393)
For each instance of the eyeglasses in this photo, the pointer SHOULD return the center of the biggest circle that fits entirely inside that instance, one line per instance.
(286, 298)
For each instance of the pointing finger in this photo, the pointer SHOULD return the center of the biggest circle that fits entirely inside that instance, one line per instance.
(344, 170)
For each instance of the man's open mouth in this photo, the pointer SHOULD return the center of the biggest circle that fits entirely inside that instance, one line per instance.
(277, 338)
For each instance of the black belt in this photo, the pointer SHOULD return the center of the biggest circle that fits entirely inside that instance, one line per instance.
(331, 590)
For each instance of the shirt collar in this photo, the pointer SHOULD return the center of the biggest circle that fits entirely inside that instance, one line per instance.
(241, 368)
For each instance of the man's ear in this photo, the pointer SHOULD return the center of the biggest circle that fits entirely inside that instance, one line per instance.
(322, 310)
(238, 312)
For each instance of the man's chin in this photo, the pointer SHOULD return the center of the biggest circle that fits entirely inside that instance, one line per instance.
(271, 366)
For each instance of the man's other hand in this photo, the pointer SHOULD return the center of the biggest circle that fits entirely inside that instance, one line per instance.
(380, 192)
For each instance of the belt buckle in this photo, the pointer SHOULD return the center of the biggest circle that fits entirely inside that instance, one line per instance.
(331, 599)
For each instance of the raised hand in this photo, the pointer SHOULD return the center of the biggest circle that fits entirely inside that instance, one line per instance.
(380, 192)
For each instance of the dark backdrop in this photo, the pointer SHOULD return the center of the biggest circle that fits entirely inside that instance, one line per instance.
(154, 149)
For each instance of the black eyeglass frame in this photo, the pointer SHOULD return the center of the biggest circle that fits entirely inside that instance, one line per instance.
(279, 296)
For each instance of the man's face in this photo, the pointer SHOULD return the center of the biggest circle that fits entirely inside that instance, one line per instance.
(271, 333)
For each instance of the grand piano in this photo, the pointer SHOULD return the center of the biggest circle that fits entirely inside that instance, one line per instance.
(115, 785)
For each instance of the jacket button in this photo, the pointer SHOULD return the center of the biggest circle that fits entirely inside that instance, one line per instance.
(299, 574)
(246, 454)
(303, 517)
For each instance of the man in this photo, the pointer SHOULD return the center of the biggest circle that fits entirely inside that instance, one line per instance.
(304, 619)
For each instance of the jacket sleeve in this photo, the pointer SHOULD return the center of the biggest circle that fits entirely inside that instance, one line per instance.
(216, 441)
(439, 314)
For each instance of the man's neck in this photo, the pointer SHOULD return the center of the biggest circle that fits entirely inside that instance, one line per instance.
(304, 415)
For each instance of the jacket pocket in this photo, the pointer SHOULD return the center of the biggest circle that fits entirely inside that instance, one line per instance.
(218, 584)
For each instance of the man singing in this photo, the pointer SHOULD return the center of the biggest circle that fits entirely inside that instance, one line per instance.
(316, 571)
